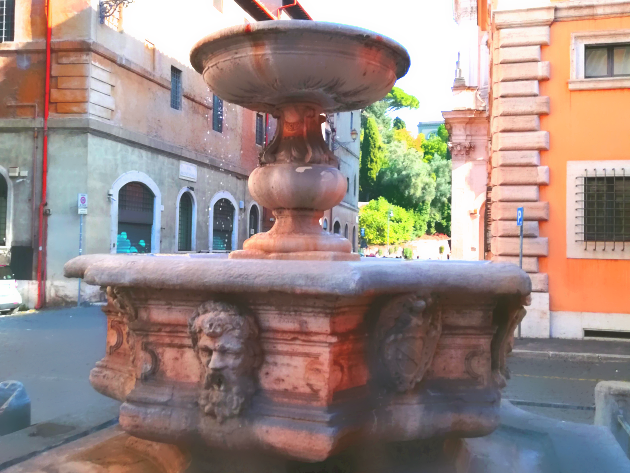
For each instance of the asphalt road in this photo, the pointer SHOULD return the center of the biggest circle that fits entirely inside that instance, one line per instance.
(561, 382)
(52, 352)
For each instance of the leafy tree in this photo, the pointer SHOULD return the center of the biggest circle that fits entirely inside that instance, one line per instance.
(372, 159)
(373, 217)
(398, 98)
(434, 146)
(399, 124)
(408, 253)
(411, 142)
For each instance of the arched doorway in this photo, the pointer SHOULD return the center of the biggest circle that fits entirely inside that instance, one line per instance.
(325, 225)
(254, 220)
(337, 228)
(354, 239)
(345, 231)
(135, 218)
(4, 210)
(222, 225)
(185, 230)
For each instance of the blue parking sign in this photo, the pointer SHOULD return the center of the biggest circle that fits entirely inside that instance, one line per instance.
(519, 217)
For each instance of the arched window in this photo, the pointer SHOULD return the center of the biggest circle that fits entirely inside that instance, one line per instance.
(254, 219)
(135, 218)
(325, 224)
(345, 231)
(354, 239)
(4, 210)
(223, 225)
(337, 228)
(184, 238)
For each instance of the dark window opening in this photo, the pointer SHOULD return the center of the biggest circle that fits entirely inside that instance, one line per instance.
(184, 240)
(223, 225)
(325, 224)
(4, 202)
(135, 218)
(7, 20)
(254, 220)
(611, 60)
(345, 231)
(217, 114)
(337, 228)
(347, 185)
(354, 239)
(176, 88)
(618, 334)
(260, 129)
(606, 209)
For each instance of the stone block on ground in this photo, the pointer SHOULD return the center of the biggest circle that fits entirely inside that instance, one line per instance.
(15, 407)
(612, 408)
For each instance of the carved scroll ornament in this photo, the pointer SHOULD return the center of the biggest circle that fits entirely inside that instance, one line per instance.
(226, 343)
(407, 333)
(120, 300)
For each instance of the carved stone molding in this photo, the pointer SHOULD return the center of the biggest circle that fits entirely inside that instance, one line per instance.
(461, 149)
(150, 369)
(117, 327)
(120, 300)
(226, 341)
(406, 336)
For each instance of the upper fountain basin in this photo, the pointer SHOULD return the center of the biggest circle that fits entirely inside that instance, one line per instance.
(262, 66)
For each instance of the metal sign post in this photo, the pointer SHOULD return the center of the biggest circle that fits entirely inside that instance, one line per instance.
(519, 223)
(82, 206)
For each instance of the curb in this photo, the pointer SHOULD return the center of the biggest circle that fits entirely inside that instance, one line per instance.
(570, 356)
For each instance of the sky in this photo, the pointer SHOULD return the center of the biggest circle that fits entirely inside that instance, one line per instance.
(425, 27)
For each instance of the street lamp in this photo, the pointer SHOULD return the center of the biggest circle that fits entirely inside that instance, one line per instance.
(354, 134)
(389, 215)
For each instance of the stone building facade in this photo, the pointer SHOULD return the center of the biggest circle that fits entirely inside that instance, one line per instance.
(540, 82)
(164, 162)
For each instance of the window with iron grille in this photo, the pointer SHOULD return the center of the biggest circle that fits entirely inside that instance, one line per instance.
(7, 20)
(184, 240)
(217, 114)
(260, 129)
(218, 4)
(135, 218)
(176, 88)
(4, 199)
(607, 60)
(604, 208)
(223, 225)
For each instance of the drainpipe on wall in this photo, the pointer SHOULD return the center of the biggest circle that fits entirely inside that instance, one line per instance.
(41, 261)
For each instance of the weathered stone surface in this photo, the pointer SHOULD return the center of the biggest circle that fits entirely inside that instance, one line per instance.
(15, 407)
(102, 75)
(73, 82)
(73, 58)
(515, 193)
(518, 54)
(521, 106)
(69, 95)
(516, 123)
(506, 228)
(532, 36)
(537, 322)
(612, 399)
(72, 107)
(540, 282)
(504, 246)
(103, 100)
(99, 111)
(540, 16)
(99, 86)
(520, 175)
(532, 210)
(516, 158)
(70, 70)
(519, 88)
(523, 71)
(530, 263)
(525, 140)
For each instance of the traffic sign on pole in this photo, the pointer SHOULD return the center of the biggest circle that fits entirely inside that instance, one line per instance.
(82, 204)
(519, 216)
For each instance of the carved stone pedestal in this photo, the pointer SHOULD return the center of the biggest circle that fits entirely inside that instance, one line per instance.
(303, 360)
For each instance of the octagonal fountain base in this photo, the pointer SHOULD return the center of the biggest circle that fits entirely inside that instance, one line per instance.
(303, 359)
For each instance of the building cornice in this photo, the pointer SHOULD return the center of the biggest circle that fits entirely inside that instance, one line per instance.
(588, 10)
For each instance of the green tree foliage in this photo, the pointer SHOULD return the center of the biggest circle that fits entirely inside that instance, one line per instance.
(372, 159)
(398, 98)
(373, 217)
(408, 253)
(399, 124)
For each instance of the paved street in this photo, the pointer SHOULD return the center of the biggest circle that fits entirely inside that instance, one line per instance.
(52, 353)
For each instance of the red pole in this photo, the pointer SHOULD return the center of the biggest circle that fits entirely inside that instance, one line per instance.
(41, 271)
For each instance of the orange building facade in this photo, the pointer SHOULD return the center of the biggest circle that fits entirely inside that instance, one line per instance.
(559, 147)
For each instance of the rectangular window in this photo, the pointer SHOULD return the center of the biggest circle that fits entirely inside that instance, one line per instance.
(611, 60)
(217, 114)
(260, 129)
(218, 4)
(176, 88)
(7, 20)
(605, 207)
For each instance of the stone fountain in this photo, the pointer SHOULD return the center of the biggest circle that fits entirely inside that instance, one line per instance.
(316, 353)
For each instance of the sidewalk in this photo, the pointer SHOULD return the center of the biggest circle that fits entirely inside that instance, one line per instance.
(574, 350)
